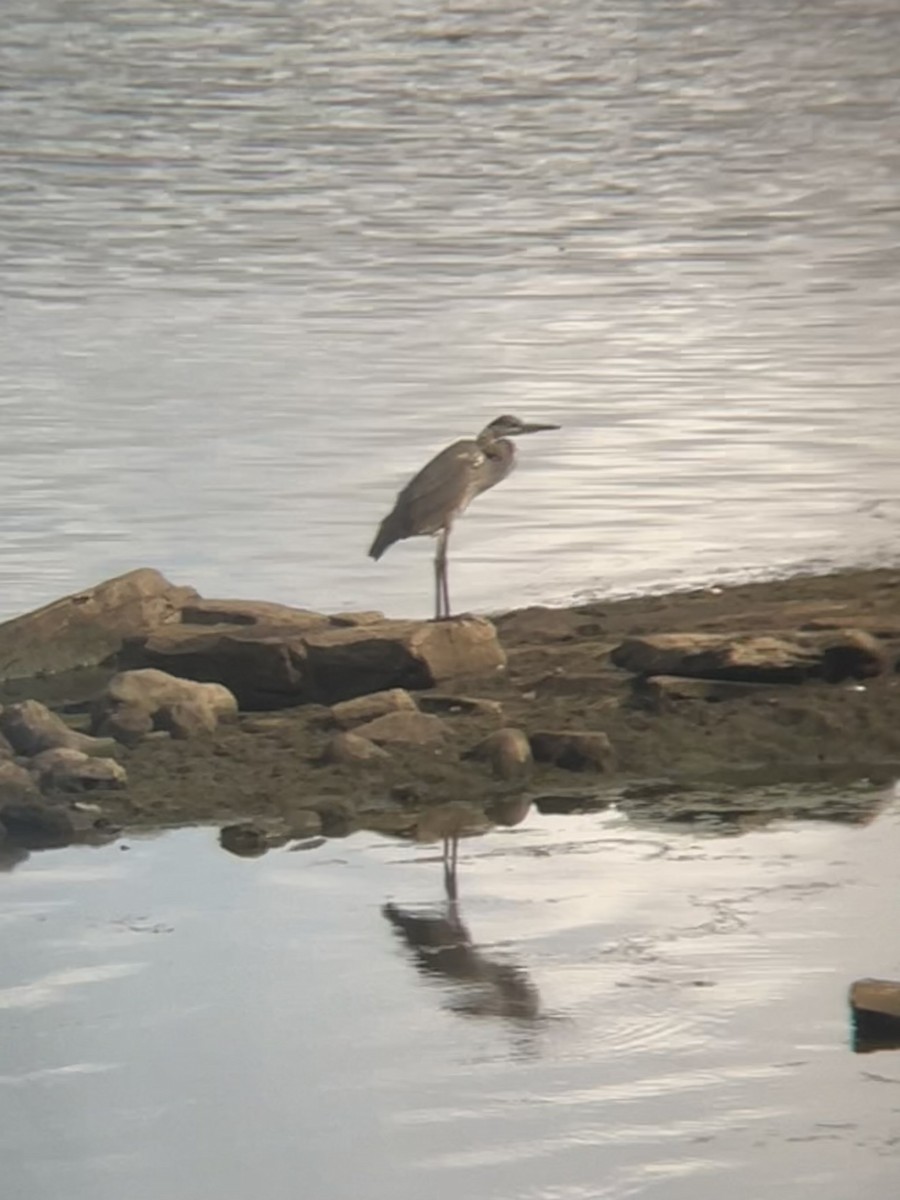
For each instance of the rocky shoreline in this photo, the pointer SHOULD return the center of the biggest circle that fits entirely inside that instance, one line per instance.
(139, 703)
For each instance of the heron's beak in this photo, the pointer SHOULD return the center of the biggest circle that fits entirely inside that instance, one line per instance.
(535, 428)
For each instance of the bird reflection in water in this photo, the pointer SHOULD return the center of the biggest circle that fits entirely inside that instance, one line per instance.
(440, 940)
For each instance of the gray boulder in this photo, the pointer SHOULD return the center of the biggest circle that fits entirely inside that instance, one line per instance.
(136, 702)
(66, 770)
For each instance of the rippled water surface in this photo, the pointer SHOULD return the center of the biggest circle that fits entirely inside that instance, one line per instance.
(261, 259)
(635, 1011)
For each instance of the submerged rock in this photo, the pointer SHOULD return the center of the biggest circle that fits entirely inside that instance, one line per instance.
(88, 627)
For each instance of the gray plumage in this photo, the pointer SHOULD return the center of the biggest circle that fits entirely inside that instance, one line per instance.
(445, 487)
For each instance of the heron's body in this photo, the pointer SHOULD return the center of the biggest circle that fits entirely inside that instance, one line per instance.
(445, 487)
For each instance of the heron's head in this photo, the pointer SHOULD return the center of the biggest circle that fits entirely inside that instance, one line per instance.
(507, 426)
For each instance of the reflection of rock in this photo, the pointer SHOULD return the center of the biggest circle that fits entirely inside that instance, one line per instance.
(572, 750)
(134, 702)
(87, 628)
(31, 727)
(755, 658)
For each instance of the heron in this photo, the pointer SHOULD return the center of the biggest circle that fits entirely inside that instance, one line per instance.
(445, 487)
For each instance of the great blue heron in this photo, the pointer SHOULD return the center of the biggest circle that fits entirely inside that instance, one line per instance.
(444, 488)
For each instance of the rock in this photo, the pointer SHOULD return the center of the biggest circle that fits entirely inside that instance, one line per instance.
(344, 663)
(509, 810)
(88, 627)
(259, 613)
(754, 658)
(277, 667)
(338, 815)
(6, 750)
(411, 728)
(876, 1012)
(67, 770)
(348, 619)
(655, 691)
(345, 749)
(309, 844)
(508, 752)
(136, 702)
(442, 704)
(36, 823)
(540, 626)
(31, 727)
(15, 781)
(250, 839)
(128, 724)
(366, 708)
(186, 719)
(573, 751)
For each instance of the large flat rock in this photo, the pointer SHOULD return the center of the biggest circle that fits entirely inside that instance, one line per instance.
(755, 658)
(278, 665)
(88, 627)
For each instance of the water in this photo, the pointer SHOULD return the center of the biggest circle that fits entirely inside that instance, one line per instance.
(658, 1012)
(261, 260)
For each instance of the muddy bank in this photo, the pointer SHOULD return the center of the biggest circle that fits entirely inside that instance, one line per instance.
(783, 681)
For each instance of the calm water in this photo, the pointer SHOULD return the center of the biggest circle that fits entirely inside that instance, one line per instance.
(261, 259)
(657, 1014)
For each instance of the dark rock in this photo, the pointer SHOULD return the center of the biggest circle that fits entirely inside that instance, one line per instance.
(411, 654)
(411, 728)
(66, 770)
(31, 727)
(573, 751)
(754, 658)
(366, 708)
(509, 810)
(348, 620)
(875, 1004)
(309, 844)
(34, 823)
(338, 815)
(88, 627)
(304, 824)
(128, 724)
(346, 749)
(6, 750)
(250, 839)
(508, 752)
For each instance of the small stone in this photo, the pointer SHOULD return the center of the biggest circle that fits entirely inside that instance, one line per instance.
(345, 749)
(349, 713)
(410, 728)
(507, 750)
(63, 769)
(129, 724)
(445, 705)
(573, 751)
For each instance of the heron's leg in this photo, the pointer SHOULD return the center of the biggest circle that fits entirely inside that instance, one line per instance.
(442, 594)
(450, 869)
